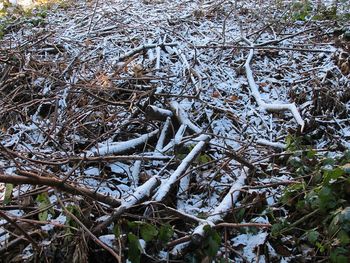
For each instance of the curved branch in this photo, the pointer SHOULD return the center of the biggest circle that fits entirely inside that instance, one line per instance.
(257, 96)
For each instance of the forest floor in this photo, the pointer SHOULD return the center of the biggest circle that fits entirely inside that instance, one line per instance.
(175, 131)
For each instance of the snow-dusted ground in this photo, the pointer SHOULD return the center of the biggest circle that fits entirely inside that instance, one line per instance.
(81, 83)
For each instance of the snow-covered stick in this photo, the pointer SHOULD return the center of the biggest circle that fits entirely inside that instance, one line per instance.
(156, 113)
(140, 193)
(183, 117)
(144, 47)
(192, 72)
(162, 136)
(257, 96)
(135, 173)
(121, 147)
(166, 185)
(157, 67)
(177, 139)
(277, 145)
(231, 198)
(221, 210)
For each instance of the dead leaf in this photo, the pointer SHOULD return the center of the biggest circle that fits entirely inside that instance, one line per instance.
(216, 94)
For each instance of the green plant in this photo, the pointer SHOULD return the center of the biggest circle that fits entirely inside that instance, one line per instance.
(8, 194)
(151, 234)
(319, 204)
(211, 242)
(301, 10)
(44, 206)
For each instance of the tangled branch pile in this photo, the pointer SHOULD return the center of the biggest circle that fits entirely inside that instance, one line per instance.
(156, 130)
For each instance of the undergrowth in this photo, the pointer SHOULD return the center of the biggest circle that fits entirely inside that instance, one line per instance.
(319, 204)
(12, 16)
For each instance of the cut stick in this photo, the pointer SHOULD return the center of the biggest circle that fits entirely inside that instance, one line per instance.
(140, 193)
(144, 47)
(135, 173)
(231, 198)
(162, 136)
(220, 211)
(166, 185)
(191, 72)
(257, 96)
(156, 113)
(182, 117)
(121, 147)
(177, 139)
(180, 134)
(277, 145)
(223, 208)
(157, 67)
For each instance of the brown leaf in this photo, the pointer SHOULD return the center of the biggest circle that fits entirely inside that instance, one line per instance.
(216, 94)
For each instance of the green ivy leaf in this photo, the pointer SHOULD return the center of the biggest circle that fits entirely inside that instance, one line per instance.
(333, 174)
(276, 229)
(240, 214)
(311, 154)
(133, 225)
(320, 247)
(312, 236)
(116, 230)
(135, 249)
(43, 215)
(8, 194)
(165, 233)
(148, 232)
(334, 225)
(204, 158)
(44, 203)
(212, 241)
(327, 198)
(75, 211)
(328, 161)
(339, 255)
(343, 237)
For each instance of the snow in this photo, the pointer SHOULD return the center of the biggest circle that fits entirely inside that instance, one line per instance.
(107, 239)
(250, 242)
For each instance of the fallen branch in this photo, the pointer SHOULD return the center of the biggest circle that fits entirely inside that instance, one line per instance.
(234, 225)
(121, 147)
(182, 116)
(277, 145)
(144, 47)
(94, 159)
(257, 96)
(220, 211)
(266, 48)
(156, 113)
(177, 139)
(60, 185)
(140, 194)
(162, 136)
(167, 184)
